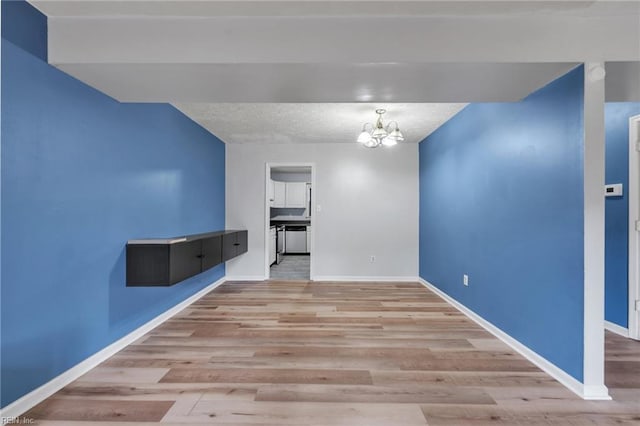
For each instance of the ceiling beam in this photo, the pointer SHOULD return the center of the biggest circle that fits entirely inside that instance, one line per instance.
(396, 39)
(317, 83)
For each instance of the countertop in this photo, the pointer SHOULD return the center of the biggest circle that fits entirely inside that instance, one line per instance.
(180, 239)
(290, 220)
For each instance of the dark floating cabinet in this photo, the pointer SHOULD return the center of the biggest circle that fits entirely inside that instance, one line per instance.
(233, 245)
(165, 262)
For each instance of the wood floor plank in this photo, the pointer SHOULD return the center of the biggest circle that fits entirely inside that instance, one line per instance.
(332, 353)
(126, 375)
(90, 409)
(466, 378)
(306, 413)
(266, 375)
(417, 394)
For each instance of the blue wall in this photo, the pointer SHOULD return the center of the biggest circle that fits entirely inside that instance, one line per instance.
(82, 174)
(617, 212)
(501, 199)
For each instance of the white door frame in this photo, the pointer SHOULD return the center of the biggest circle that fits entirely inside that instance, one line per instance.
(634, 235)
(267, 214)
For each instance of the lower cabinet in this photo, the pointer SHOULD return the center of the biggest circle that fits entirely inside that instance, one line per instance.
(185, 260)
(233, 244)
(160, 262)
(211, 252)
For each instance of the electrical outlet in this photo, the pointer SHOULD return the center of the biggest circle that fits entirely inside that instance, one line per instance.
(465, 279)
(372, 259)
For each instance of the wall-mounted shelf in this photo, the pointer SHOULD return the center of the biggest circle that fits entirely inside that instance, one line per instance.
(167, 261)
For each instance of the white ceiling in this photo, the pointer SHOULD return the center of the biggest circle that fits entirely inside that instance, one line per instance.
(583, 8)
(316, 83)
(302, 71)
(285, 123)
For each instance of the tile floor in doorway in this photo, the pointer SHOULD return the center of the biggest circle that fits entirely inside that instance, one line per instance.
(292, 267)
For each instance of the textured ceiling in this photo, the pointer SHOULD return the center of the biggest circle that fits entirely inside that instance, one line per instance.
(282, 123)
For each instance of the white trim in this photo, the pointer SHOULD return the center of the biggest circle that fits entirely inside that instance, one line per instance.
(267, 212)
(593, 225)
(38, 395)
(267, 221)
(246, 278)
(617, 329)
(634, 235)
(585, 392)
(357, 278)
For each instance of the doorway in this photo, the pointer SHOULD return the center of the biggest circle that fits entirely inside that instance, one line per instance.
(289, 221)
(634, 227)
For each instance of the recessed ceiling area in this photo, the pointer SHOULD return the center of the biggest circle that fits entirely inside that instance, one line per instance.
(287, 123)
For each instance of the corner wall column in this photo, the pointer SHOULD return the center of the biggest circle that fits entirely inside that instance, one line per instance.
(594, 231)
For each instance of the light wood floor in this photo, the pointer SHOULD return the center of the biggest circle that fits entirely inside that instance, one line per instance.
(285, 353)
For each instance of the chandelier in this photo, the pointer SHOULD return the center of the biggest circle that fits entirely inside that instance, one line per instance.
(379, 134)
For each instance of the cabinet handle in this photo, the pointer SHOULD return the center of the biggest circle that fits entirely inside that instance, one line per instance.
(236, 244)
(200, 256)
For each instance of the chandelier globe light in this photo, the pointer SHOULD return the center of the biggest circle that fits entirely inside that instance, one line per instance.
(373, 136)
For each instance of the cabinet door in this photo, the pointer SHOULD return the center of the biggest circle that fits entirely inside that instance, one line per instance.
(241, 242)
(228, 246)
(185, 260)
(233, 244)
(279, 194)
(211, 252)
(308, 239)
(147, 265)
(296, 194)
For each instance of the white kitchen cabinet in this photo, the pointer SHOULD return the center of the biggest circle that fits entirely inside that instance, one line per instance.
(296, 194)
(272, 246)
(279, 194)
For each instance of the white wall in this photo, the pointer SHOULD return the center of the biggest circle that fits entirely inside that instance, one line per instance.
(369, 202)
(622, 83)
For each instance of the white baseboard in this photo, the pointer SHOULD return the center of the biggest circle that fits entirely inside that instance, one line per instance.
(359, 278)
(341, 278)
(615, 328)
(595, 392)
(38, 395)
(245, 278)
(583, 391)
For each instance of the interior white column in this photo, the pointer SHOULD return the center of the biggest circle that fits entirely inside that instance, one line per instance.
(594, 231)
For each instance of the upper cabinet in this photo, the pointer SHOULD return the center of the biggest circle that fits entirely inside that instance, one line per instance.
(296, 194)
(288, 194)
(279, 194)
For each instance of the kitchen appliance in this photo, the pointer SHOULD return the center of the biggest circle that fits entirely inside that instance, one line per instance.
(307, 212)
(280, 243)
(295, 239)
